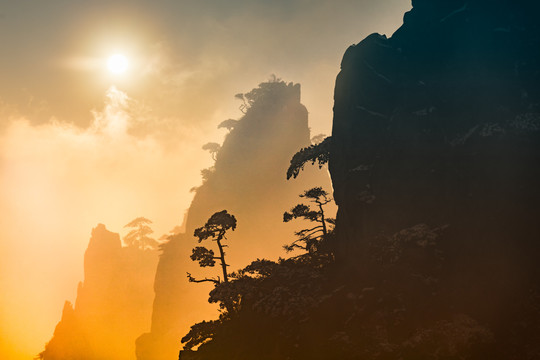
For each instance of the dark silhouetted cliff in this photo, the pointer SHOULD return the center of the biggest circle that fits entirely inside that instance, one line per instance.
(434, 161)
(113, 305)
(436, 132)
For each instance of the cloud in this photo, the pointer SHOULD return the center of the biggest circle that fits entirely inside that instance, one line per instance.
(58, 181)
(193, 55)
(64, 168)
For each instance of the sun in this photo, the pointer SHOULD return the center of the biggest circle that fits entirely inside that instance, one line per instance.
(117, 64)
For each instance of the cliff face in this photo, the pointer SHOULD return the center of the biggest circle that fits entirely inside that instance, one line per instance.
(438, 127)
(434, 161)
(248, 180)
(249, 173)
(113, 303)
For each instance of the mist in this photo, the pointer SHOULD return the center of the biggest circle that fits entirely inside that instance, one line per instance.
(57, 183)
(78, 148)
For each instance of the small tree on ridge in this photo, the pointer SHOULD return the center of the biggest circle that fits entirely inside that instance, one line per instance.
(228, 124)
(139, 235)
(214, 229)
(310, 238)
(213, 148)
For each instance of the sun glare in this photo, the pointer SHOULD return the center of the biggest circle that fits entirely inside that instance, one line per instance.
(117, 64)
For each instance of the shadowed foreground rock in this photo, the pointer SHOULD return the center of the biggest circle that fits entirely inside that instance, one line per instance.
(437, 129)
(434, 161)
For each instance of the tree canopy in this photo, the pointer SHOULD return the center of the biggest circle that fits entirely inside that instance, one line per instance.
(213, 148)
(318, 152)
(228, 124)
(139, 235)
(310, 238)
(214, 229)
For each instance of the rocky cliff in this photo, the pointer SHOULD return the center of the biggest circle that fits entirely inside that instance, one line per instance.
(434, 161)
(437, 132)
(113, 303)
(248, 180)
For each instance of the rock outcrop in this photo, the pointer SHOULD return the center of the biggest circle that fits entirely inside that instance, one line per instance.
(113, 305)
(434, 162)
(437, 131)
(248, 180)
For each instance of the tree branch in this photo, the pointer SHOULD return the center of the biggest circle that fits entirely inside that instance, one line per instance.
(322, 203)
(222, 256)
(307, 234)
(192, 279)
(313, 228)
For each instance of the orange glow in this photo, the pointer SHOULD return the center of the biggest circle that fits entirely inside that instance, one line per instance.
(76, 151)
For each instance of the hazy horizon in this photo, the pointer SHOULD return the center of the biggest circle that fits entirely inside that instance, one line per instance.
(81, 146)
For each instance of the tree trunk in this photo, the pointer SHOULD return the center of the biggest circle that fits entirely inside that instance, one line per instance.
(222, 257)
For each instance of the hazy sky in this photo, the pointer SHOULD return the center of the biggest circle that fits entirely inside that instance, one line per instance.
(79, 145)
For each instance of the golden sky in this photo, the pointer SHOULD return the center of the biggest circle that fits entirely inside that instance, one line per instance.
(81, 146)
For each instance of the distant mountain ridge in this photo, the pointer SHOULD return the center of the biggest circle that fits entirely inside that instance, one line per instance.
(113, 302)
